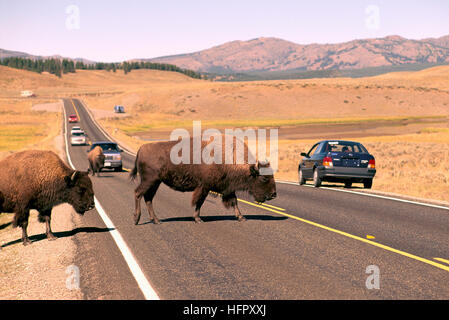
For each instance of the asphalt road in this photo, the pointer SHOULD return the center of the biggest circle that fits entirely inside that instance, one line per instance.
(307, 243)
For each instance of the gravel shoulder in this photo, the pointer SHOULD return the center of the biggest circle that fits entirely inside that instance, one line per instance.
(43, 270)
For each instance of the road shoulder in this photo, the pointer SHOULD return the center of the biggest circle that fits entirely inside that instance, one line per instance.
(43, 270)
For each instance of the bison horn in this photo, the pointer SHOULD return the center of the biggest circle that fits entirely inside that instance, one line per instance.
(73, 176)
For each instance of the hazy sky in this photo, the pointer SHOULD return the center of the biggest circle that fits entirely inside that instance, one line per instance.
(119, 30)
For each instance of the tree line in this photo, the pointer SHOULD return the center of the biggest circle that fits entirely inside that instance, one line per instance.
(59, 67)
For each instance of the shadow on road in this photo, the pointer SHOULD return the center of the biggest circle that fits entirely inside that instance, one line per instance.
(337, 186)
(220, 218)
(5, 225)
(61, 234)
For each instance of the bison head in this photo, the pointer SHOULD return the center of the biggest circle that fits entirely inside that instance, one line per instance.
(263, 187)
(80, 191)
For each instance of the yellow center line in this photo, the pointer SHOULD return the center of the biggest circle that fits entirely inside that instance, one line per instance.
(409, 255)
(442, 260)
(73, 104)
(271, 206)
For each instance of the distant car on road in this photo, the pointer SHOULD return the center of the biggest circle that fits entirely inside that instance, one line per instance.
(342, 161)
(119, 109)
(74, 129)
(73, 118)
(113, 157)
(78, 138)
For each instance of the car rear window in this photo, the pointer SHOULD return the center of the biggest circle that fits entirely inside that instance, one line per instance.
(343, 146)
(106, 146)
(78, 134)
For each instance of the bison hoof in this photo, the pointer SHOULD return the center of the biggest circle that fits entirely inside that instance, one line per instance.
(198, 220)
(156, 221)
(26, 242)
(241, 218)
(51, 237)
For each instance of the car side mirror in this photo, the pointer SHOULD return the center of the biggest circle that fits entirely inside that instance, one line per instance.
(303, 154)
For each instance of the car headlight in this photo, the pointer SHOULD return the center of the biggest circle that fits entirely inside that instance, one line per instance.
(117, 157)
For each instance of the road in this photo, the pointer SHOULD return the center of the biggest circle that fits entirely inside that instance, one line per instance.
(308, 243)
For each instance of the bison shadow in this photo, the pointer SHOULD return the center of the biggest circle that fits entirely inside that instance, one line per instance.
(61, 234)
(220, 218)
(5, 225)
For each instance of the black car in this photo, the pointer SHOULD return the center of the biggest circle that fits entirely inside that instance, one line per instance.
(337, 161)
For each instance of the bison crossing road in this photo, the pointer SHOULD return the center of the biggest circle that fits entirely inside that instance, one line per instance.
(41, 180)
(154, 165)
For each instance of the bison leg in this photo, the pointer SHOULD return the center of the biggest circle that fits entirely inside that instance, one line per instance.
(21, 219)
(140, 191)
(148, 196)
(45, 216)
(230, 200)
(92, 169)
(199, 195)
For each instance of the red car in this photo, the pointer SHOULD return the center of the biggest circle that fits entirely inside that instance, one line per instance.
(73, 118)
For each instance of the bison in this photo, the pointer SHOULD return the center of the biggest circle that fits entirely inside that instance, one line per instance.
(154, 165)
(96, 160)
(40, 180)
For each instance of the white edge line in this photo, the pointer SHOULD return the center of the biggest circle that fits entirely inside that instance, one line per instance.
(370, 195)
(290, 182)
(130, 260)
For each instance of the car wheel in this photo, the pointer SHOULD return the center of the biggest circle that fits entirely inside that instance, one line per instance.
(119, 169)
(301, 179)
(368, 183)
(316, 179)
(348, 184)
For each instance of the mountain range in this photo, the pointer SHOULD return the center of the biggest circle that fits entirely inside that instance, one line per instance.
(268, 54)
(273, 54)
(9, 54)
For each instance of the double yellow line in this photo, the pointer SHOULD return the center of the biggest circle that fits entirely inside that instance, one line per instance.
(376, 244)
(76, 110)
(281, 211)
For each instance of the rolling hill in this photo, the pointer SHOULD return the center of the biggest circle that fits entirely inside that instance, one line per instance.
(273, 54)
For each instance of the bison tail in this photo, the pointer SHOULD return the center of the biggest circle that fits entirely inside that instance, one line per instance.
(133, 173)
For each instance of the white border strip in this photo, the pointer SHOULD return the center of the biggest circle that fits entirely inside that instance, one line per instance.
(370, 195)
(130, 260)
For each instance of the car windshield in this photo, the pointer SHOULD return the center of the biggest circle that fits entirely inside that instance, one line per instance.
(107, 146)
(78, 134)
(344, 146)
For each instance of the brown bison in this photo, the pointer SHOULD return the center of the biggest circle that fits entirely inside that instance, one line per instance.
(40, 180)
(154, 165)
(96, 160)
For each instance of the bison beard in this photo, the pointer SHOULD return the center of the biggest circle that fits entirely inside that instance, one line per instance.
(154, 166)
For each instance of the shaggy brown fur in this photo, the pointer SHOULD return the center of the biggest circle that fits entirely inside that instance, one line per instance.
(96, 160)
(40, 180)
(154, 166)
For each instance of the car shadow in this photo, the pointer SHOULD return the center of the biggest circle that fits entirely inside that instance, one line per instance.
(339, 186)
(60, 234)
(221, 218)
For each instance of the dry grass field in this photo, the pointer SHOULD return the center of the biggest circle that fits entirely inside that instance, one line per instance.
(413, 161)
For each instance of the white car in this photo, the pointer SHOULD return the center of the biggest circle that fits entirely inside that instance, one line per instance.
(75, 128)
(78, 138)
